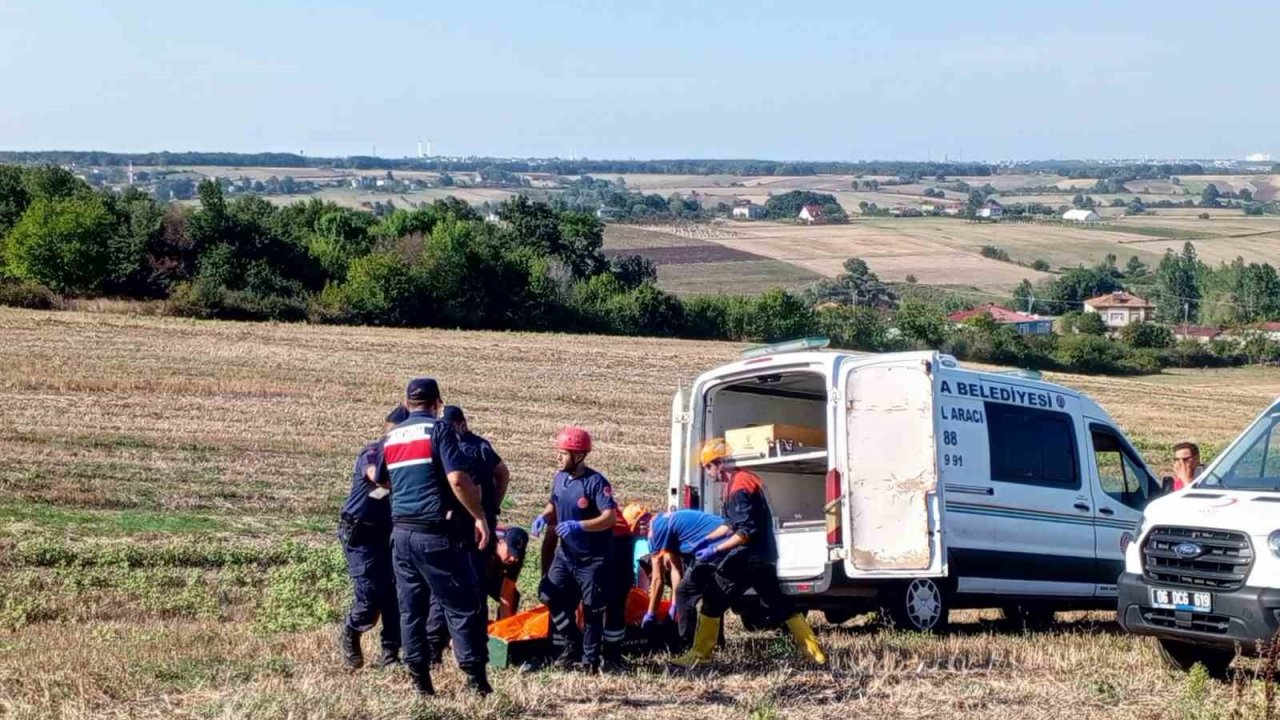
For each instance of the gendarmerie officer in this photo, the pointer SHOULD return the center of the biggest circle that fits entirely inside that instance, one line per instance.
(365, 533)
(430, 489)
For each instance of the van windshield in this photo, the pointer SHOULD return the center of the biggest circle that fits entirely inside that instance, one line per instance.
(1254, 462)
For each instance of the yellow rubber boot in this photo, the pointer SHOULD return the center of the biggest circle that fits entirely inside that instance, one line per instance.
(805, 641)
(704, 643)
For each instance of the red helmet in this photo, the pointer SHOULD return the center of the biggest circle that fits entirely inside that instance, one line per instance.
(573, 439)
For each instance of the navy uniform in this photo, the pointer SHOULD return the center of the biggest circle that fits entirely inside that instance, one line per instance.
(482, 462)
(580, 571)
(501, 576)
(365, 533)
(430, 554)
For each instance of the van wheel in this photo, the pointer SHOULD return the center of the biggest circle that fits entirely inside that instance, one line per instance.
(1182, 656)
(920, 605)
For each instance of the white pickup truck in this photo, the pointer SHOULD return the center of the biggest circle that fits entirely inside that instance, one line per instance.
(1203, 576)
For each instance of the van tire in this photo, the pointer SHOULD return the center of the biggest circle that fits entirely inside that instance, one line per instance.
(1182, 656)
(918, 605)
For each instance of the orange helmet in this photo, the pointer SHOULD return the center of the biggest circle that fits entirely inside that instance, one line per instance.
(573, 439)
(714, 449)
(636, 514)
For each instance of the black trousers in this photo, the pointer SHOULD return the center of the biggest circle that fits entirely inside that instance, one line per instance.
(434, 566)
(574, 580)
(368, 552)
(622, 577)
(742, 570)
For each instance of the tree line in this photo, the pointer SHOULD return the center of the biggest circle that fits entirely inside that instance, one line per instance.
(557, 166)
(532, 267)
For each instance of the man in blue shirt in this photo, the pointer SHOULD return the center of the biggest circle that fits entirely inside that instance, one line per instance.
(431, 492)
(365, 534)
(674, 537)
(582, 514)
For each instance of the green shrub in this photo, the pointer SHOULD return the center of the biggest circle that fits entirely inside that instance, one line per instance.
(1089, 354)
(1146, 335)
(305, 593)
(27, 294)
(62, 243)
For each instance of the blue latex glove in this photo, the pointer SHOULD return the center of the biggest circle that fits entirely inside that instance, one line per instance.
(707, 553)
(648, 622)
(705, 543)
(539, 525)
(566, 528)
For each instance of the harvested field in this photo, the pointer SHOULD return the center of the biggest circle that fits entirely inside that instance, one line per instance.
(689, 265)
(169, 488)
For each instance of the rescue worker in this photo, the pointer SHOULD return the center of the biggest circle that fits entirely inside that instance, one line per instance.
(490, 474)
(622, 579)
(503, 570)
(365, 533)
(674, 537)
(581, 515)
(747, 558)
(430, 489)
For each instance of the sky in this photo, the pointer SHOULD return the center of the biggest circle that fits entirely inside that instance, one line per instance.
(843, 80)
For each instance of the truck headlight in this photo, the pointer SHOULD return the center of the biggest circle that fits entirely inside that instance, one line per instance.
(1273, 542)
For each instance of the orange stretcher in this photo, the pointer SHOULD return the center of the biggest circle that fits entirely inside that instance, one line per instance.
(526, 636)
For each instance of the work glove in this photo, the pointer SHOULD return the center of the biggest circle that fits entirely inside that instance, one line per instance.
(648, 622)
(566, 528)
(705, 543)
(539, 525)
(707, 553)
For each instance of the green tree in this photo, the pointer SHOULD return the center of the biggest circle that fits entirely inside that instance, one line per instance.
(1090, 323)
(856, 328)
(1178, 285)
(1135, 268)
(62, 243)
(1209, 197)
(52, 183)
(14, 197)
(921, 323)
(1146, 335)
(340, 236)
(856, 286)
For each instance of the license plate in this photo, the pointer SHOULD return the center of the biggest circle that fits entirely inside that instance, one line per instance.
(1181, 600)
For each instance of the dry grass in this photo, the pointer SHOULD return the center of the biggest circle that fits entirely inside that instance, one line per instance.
(158, 474)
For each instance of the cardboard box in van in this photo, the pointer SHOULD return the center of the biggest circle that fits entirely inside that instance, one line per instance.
(774, 440)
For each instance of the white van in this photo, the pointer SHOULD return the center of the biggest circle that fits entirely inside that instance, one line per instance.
(1204, 575)
(936, 487)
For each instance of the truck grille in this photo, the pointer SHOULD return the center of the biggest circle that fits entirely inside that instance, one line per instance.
(1223, 564)
(1199, 622)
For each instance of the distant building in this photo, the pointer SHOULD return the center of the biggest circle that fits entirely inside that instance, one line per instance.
(1199, 333)
(1120, 308)
(991, 210)
(747, 210)
(811, 213)
(1081, 216)
(1025, 324)
(928, 209)
(952, 210)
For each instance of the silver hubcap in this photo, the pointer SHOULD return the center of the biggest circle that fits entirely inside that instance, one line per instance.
(924, 603)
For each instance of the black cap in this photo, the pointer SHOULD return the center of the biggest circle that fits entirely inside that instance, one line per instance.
(422, 390)
(517, 540)
(397, 415)
(452, 414)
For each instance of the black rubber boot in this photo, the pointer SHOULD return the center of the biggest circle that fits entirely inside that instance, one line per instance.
(390, 656)
(568, 659)
(349, 644)
(477, 679)
(613, 662)
(421, 676)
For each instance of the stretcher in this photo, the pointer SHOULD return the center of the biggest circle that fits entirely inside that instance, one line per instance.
(525, 638)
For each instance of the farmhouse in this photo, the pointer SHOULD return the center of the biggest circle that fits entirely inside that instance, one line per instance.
(952, 210)
(747, 210)
(1120, 308)
(811, 213)
(1081, 216)
(1025, 324)
(1199, 333)
(991, 210)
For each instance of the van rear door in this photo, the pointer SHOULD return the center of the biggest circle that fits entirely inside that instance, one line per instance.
(887, 453)
(676, 489)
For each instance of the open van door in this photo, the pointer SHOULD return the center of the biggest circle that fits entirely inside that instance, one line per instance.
(886, 445)
(676, 489)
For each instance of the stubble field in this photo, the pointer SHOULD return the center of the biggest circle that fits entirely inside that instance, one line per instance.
(169, 488)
